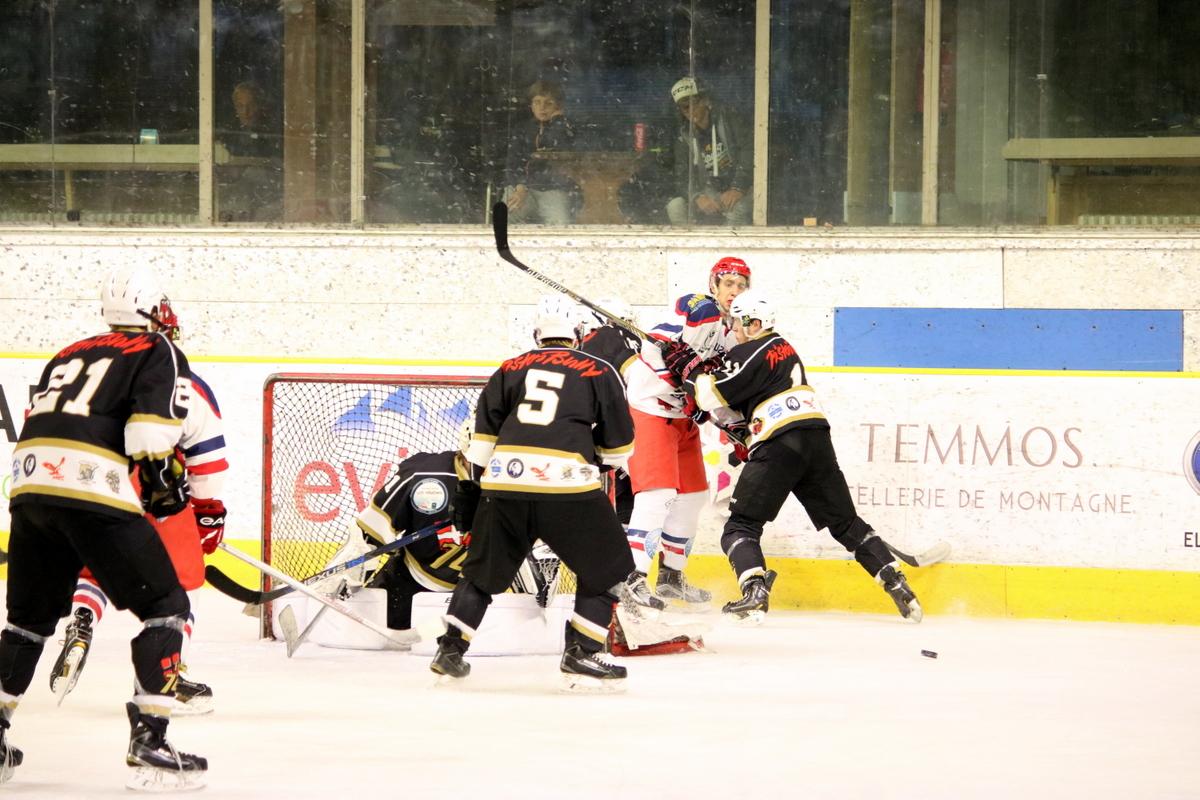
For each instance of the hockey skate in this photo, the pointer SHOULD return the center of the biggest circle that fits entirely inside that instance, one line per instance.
(590, 672)
(756, 599)
(10, 757)
(194, 698)
(156, 765)
(672, 584)
(69, 664)
(894, 583)
(448, 661)
(637, 598)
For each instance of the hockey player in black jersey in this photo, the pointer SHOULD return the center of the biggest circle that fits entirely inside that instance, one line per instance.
(103, 406)
(416, 496)
(546, 422)
(790, 451)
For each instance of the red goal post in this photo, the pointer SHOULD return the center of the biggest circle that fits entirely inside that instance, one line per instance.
(330, 440)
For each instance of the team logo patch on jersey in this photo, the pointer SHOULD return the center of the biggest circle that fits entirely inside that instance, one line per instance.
(30, 464)
(429, 496)
(775, 411)
(494, 467)
(793, 403)
(113, 479)
(87, 472)
(515, 468)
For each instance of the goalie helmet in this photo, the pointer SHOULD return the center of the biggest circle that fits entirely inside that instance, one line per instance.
(751, 305)
(465, 431)
(130, 297)
(556, 318)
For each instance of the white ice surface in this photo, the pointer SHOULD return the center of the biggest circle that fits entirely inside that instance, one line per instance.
(808, 705)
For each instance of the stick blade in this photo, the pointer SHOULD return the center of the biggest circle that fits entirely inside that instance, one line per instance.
(500, 225)
(291, 631)
(939, 552)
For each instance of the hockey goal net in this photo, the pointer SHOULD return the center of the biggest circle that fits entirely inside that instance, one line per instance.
(331, 440)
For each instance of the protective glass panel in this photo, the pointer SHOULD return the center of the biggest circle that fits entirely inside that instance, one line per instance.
(99, 111)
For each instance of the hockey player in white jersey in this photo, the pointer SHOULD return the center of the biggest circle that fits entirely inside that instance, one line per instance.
(667, 467)
(188, 537)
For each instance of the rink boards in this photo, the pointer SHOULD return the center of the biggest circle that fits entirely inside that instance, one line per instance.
(1063, 494)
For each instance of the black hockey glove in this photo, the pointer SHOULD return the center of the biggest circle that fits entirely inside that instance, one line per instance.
(466, 500)
(164, 486)
(681, 360)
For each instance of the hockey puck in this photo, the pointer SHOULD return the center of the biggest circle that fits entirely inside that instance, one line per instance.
(929, 653)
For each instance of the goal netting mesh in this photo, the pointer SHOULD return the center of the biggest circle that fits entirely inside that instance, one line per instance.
(331, 441)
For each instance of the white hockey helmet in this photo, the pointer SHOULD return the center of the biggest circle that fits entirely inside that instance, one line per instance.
(753, 305)
(613, 305)
(130, 297)
(465, 430)
(557, 317)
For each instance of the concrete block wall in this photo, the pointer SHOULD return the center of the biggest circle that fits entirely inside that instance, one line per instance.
(446, 295)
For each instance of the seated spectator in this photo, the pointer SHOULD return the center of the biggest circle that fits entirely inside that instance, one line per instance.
(714, 164)
(535, 190)
(251, 190)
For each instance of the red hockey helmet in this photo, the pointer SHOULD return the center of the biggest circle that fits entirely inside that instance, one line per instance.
(729, 265)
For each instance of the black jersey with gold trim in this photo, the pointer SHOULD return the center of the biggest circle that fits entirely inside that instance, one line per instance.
(764, 380)
(547, 421)
(101, 403)
(613, 344)
(417, 495)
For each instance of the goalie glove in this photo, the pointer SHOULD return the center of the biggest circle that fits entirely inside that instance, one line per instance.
(448, 538)
(466, 501)
(164, 486)
(210, 521)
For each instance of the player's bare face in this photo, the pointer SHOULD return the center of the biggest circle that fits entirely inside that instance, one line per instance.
(728, 287)
(744, 333)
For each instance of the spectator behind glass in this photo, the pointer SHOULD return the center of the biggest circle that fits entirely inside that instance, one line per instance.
(534, 189)
(714, 166)
(251, 190)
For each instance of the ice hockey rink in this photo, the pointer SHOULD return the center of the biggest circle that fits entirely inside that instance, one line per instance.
(820, 705)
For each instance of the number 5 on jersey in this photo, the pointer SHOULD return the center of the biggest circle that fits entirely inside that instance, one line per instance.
(541, 397)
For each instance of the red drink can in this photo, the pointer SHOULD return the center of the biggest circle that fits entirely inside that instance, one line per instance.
(639, 136)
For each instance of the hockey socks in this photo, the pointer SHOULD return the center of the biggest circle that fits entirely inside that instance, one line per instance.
(89, 595)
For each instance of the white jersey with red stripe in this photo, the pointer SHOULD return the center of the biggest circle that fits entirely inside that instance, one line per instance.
(651, 387)
(203, 442)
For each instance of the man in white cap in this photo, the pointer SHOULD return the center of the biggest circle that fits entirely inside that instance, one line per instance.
(714, 166)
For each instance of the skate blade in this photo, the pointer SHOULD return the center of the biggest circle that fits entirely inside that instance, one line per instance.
(64, 683)
(193, 708)
(8, 765)
(586, 684)
(678, 605)
(157, 781)
(751, 619)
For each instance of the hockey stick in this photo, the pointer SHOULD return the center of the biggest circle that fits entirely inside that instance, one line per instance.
(227, 585)
(500, 232)
(399, 639)
(933, 555)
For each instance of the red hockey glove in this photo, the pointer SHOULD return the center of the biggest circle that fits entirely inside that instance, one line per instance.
(741, 454)
(448, 538)
(698, 415)
(681, 360)
(210, 520)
